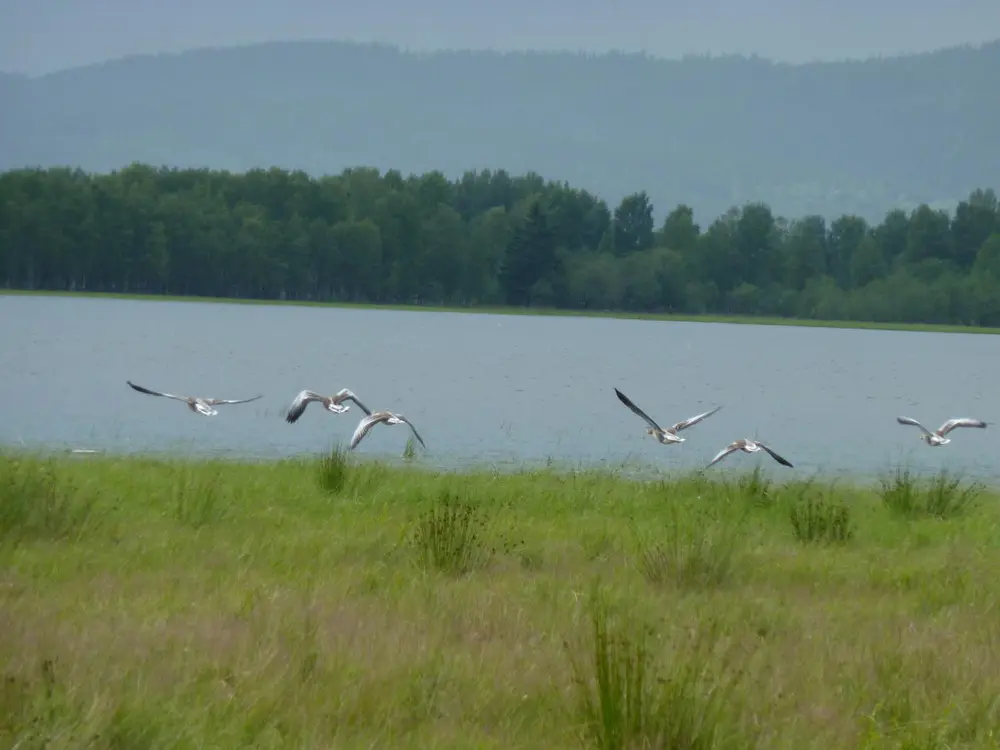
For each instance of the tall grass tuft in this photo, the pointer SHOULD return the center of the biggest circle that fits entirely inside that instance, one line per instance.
(333, 470)
(37, 502)
(410, 449)
(200, 497)
(942, 497)
(946, 497)
(754, 489)
(451, 536)
(817, 517)
(627, 699)
(695, 549)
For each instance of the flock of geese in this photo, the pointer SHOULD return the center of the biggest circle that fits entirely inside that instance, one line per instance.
(669, 436)
(334, 403)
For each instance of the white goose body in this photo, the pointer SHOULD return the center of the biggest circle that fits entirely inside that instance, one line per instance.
(667, 436)
(197, 404)
(334, 404)
(749, 446)
(381, 417)
(937, 437)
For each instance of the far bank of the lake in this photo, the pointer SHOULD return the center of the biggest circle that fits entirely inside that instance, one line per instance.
(486, 310)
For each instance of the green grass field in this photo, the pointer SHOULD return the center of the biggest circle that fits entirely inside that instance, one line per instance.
(332, 604)
(744, 319)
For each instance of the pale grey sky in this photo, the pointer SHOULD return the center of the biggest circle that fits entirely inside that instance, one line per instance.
(39, 36)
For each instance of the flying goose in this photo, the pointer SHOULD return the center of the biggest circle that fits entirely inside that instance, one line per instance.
(748, 446)
(385, 417)
(938, 436)
(330, 403)
(669, 435)
(195, 403)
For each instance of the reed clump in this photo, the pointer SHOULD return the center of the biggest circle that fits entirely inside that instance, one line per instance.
(628, 695)
(333, 469)
(942, 496)
(696, 546)
(817, 515)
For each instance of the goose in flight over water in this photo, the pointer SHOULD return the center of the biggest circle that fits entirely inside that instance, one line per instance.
(749, 446)
(385, 417)
(938, 436)
(669, 435)
(195, 403)
(330, 403)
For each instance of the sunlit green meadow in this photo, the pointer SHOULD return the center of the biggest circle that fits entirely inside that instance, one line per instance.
(341, 603)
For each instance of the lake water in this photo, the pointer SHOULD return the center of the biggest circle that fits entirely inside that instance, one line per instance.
(489, 389)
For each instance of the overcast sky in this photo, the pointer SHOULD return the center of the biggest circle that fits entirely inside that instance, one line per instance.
(39, 36)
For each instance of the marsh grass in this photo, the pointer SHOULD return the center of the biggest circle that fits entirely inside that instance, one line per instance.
(333, 469)
(37, 501)
(627, 697)
(943, 496)
(817, 515)
(755, 489)
(201, 495)
(410, 449)
(168, 603)
(456, 536)
(696, 546)
(452, 535)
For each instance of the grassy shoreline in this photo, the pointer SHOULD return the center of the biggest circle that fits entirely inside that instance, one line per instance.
(327, 603)
(734, 319)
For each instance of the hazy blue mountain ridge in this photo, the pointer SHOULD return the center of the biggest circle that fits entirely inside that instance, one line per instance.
(828, 138)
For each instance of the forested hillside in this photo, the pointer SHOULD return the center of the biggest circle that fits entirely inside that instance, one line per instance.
(826, 138)
(488, 238)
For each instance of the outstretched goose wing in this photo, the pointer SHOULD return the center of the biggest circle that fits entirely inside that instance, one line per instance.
(364, 427)
(915, 423)
(348, 395)
(733, 446)
(693, 420)
(951, 424)
(416, 434)
(780, 459)
(636, 410)
(302, 400)
(219, 401)
(139, 388)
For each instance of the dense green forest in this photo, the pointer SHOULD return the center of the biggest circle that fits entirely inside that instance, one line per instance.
(489, 238)
(856, 137)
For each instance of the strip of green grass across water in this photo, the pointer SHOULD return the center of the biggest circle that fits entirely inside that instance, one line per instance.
(318, 603)
(739, 319)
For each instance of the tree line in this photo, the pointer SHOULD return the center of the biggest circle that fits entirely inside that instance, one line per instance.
(487, 238)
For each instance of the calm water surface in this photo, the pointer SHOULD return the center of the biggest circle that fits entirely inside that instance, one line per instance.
(489, 389)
